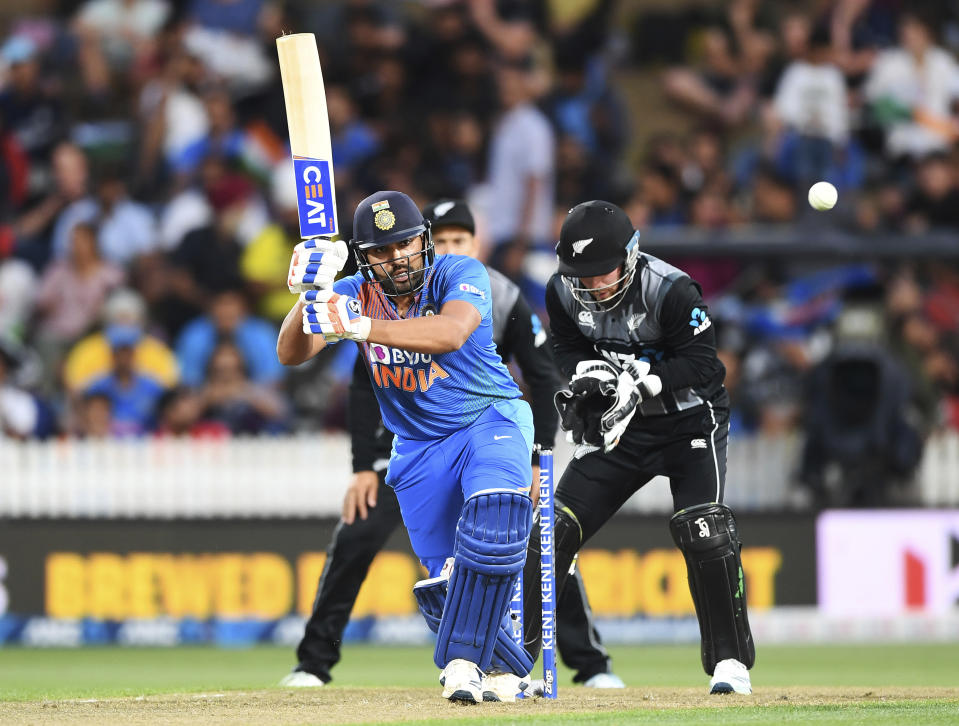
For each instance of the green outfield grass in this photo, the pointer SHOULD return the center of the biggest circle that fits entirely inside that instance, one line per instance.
(28, 674)
(892, 714)
(786, 678)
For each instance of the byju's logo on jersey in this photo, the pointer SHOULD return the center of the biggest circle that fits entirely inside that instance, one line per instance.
(402, 369)
(586, 318)
(472, 289)
(379, 353)
(699, 321)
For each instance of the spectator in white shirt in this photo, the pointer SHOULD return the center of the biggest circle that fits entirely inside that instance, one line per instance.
(114, 35)
(18, 290)
(521, 173)
(911, 89)
(19, 412)
(810, 111)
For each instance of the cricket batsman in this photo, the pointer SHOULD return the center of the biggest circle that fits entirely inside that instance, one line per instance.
(460, 465)
(646, 397)
(371, 512)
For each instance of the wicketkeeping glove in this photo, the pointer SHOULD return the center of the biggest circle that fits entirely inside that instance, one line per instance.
(582, 407)
(634, 384)
(602, 401)
(334, 316)
(315, 264)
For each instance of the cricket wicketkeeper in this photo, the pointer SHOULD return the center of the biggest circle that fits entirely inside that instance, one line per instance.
(645, 397)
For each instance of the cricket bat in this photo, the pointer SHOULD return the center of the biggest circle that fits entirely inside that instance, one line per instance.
(309, 134)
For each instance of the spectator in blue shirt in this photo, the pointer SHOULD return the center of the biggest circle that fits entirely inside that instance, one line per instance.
(127, 228)
(133, 396)
(228, 319)
(225, 138)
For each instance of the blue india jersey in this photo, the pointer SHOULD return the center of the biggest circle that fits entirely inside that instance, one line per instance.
(425, 396)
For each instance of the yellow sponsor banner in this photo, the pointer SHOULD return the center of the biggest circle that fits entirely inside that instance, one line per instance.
(266, 585)
(626, 583)
(109, 586)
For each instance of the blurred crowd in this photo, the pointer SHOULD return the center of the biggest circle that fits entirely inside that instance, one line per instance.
(861, 93)
(147, 207)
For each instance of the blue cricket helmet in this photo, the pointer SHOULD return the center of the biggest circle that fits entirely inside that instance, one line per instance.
(385, 218)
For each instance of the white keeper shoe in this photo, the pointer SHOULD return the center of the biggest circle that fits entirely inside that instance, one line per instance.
(503, 687)
(462, 681)
(605, 680)
(730, 676)
(301, 679)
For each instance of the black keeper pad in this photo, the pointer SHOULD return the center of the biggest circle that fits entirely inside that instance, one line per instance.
(707, 536)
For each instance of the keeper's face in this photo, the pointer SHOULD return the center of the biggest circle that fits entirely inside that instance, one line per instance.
(399, 267)
(455, 241)
(603, 287)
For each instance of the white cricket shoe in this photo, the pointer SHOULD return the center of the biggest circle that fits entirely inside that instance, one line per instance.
(301, 679)
(605, 680)
(730, 676)
(462, 681)
(505, 687)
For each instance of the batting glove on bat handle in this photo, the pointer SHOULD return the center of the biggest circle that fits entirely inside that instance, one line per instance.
(315, 264)
(334, 316)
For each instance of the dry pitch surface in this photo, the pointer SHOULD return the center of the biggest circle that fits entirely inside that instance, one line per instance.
(340, 705)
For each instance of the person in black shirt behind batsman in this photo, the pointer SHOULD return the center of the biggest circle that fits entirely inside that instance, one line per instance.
(370, 509)
(645, 397)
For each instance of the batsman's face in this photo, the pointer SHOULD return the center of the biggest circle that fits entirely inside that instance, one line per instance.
(603, 287)
(455, 241)
(399, 266)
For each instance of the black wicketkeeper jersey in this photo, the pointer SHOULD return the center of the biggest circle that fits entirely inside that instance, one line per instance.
(662, 319)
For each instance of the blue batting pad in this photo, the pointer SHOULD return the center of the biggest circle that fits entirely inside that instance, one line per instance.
(490, 550)
(508, 656)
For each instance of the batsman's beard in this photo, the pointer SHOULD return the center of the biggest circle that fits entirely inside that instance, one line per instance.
(400, 278)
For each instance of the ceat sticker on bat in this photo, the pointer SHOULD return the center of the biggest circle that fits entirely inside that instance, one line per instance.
(314, 197)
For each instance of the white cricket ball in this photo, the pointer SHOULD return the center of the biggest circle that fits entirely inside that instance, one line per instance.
(823, 196)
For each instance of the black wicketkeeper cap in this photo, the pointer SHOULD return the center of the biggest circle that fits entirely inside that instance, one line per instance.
(385, 218)
(450, 213)
(593, 239)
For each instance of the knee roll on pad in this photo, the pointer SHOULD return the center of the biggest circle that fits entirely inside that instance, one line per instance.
(490, 551)
(707, 536)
